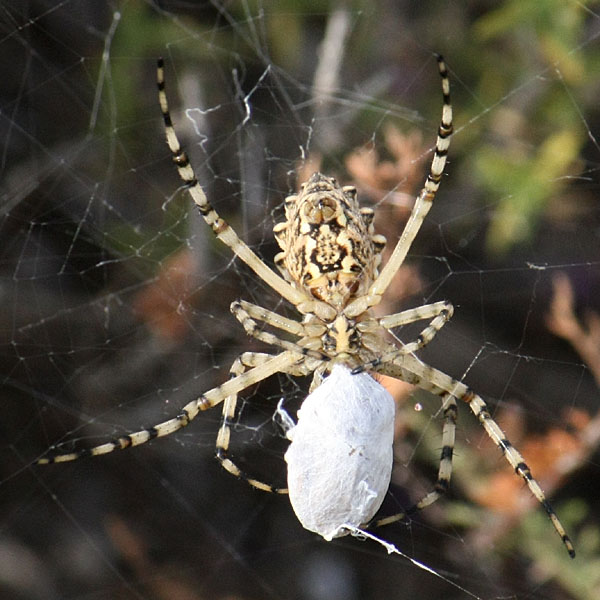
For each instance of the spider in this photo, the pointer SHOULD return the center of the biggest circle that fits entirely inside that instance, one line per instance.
(329, 264)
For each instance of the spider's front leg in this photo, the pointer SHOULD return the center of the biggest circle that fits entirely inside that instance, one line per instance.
(276, 364)
(247, 360)
(409, 368)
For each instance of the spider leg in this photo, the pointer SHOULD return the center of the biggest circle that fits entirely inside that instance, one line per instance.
(252, 328)
(410, 369)
(267, 316)
(439, 313)
(219, 226)
(442, 483)
(419, 313)
(280, 363)
(420, 209)
(245, 361)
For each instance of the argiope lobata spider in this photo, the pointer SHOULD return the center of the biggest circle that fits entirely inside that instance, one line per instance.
(329, 263)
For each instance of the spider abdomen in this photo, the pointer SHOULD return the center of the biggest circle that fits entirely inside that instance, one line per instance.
(340, 458)
(328, 244)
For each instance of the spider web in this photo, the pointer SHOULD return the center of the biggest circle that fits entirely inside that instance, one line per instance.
(116, 297)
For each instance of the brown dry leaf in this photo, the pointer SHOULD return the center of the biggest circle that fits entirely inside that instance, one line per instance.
(393, 182)
(162, 304)
(400, 390)
(505, 493)
(307, 167)
(563, 322)
(379, 178)
(158, 581)
(556, 454)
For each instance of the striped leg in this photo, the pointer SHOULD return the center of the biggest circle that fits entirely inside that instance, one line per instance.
(439, 313)
(271, 318)
(281, 363)
(420, 209)
(247, 360)
(445, 469)
(412, 370)
(242, 310)
(220, 227)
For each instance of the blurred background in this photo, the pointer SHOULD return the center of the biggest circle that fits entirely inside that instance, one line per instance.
(116, 296)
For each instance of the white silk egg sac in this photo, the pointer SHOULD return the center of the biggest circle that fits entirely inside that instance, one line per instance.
(340, 458)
